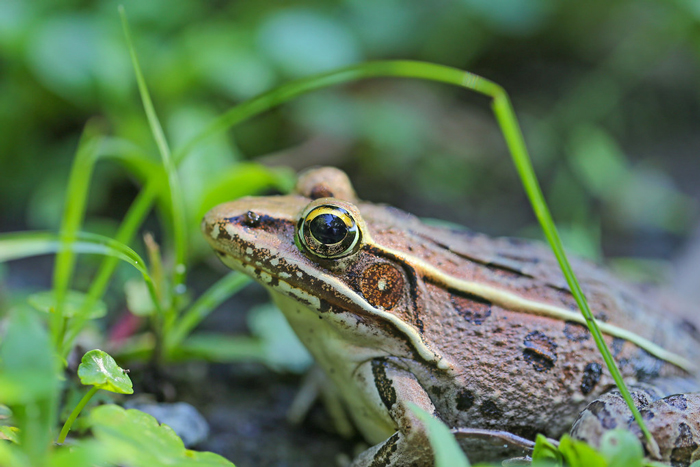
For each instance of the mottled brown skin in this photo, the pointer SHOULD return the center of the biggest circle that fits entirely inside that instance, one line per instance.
(508, 370)
(673, 420)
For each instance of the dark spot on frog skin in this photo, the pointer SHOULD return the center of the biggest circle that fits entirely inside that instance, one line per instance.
(646, 414)
(506, 270)
(223, 233)
(684, 446)
(437, 390)
(465, 400)
(472, 308)
(598, 409)
(576, 332)
(383, 456)
(677, 401)
(646, 366)
(616, 346)
(489, 409)
(325, 306)
(690, 328)
(387, 393)
(540, 350)
(591, 376)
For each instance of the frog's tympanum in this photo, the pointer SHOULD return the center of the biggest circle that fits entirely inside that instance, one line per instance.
(483, 333)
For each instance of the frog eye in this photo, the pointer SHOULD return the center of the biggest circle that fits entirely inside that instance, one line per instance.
(328, 232)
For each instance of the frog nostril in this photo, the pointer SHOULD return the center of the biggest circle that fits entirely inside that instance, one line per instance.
(251, 219)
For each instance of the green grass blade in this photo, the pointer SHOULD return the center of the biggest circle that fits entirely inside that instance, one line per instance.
(72, 219)
(128, 228)
(208, 301)
(512, 134)
(19, 245)
(516, 144)
(178, 205)
(445, 447)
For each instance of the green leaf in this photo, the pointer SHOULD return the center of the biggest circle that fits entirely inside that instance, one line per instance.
(29, 382)
(241, 180)
(447, 450)
(621, 449)
(136, 439)
(28, 369)
(87, 453)
(46, 302)
(283, 351)
(695, 464)
(219, 348)
(99, 369)
(546, 451)
(10, 433)
(137, 298)
(579, 454)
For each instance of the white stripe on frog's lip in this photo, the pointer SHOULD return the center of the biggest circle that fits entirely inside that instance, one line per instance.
(286, 288)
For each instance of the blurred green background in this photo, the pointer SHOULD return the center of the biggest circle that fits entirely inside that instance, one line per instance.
(607, 93)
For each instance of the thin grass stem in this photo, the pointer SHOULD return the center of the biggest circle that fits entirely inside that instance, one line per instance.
(176, 196)
(72, 219)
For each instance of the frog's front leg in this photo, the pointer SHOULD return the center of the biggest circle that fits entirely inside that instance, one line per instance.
(674, 421)
(391, 388)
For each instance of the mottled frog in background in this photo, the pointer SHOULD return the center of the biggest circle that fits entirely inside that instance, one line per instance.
(481, 332)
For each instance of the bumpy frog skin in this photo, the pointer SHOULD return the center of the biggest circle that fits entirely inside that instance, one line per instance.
(481, 332)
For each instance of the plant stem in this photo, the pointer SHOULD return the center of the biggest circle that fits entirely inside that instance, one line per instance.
(173, 180)
(74, 414)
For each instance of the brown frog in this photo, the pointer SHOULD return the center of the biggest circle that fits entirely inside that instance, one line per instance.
(481, 332)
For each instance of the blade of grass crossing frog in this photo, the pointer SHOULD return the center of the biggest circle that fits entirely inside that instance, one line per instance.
(176, 198)
(445, 447)
(516, 144)
(505, 116)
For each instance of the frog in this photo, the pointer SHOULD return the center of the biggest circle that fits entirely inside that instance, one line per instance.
(482, 333)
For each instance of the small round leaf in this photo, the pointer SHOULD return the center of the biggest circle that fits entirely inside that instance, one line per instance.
(99, 369)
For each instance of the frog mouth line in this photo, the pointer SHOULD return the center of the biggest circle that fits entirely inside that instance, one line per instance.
(265, 277)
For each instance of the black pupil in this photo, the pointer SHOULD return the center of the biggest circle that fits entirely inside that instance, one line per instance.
(328, 228)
